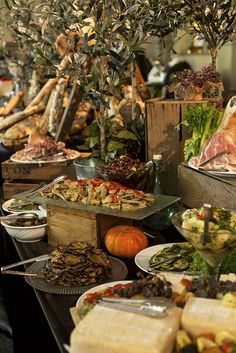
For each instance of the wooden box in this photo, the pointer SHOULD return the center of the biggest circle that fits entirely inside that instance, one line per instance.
(162, 137)
(196, 187)
(19, 177)
(66, 225)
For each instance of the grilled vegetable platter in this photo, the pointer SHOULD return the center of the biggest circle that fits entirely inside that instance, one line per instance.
(97, 192)
(190, 261)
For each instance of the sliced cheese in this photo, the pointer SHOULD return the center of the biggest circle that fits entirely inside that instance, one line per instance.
(107, 330)
(175, 280)
(202, 315)
(228, 277)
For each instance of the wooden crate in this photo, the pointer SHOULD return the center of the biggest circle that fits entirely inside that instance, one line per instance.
(19, 177)
(196, 187)
(66, 225)
(162, 137)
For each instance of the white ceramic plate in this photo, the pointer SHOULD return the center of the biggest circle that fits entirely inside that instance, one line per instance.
(74, 155)
(99, 288)
(142, 261)
(143, 257)
(222, 174)
(6, 204)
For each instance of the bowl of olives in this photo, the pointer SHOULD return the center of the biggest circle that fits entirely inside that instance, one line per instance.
(125, 170)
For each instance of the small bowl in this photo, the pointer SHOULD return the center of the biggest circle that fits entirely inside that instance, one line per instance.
(27, 234)
(85, 168)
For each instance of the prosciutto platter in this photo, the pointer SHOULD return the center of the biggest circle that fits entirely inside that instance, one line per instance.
(44, 151)
(222, 142)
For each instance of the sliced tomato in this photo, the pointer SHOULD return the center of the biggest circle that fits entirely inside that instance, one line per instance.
(187, 283)
(227, 347)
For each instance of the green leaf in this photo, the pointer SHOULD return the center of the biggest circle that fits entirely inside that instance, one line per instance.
(99, 12)
(7, 4)
(234, 348)
(93, 141)
(88, 87)
(113, 66)
(127, 135)
(114, 54)
(114, 146)
(94, 129)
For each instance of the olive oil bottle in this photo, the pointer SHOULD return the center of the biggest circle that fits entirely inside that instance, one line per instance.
(161, 219)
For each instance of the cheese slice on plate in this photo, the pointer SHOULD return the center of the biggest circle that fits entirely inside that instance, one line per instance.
(175, 280)
(228, 277)
(106, 330)
(202, 315)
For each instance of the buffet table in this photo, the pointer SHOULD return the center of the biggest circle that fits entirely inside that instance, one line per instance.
(31, 332)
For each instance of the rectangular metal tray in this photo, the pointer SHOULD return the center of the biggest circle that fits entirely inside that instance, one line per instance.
(161, 202)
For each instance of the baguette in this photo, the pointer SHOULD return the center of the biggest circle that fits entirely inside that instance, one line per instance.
(13, 102)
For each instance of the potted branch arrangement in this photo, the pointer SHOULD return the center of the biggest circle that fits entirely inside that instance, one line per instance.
(101, 40)
(214, 21)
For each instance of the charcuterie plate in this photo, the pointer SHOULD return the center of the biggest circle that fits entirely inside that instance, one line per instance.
(72, 154)
(212, 172)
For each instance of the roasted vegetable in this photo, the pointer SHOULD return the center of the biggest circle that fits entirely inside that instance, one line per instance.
(177, 265)
(77, 263)
(99, 193)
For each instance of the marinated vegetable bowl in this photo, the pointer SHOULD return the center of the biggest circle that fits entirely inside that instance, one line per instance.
(26, 227)
(124, 170)
(221, 234)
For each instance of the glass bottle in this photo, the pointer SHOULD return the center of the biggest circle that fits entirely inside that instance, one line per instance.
(161, 219)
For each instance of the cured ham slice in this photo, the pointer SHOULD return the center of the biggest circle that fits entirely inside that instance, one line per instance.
(224, 139)
(43, 148)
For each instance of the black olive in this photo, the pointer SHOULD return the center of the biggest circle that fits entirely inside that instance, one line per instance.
(190, 348)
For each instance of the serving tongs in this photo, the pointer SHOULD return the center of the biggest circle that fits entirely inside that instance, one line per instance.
(171, 259)
(55, 181)
(20, 205)
(49, 157)
(205, 238)
(6, 269)
(153, 307)
(221, 169)
(12, 217)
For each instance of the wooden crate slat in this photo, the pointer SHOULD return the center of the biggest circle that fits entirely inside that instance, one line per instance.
(66, 225)
(10, 189)
(195, 188)
(162, 137)
(40, 172)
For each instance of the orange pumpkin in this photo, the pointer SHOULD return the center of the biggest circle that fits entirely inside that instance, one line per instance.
(125, 241)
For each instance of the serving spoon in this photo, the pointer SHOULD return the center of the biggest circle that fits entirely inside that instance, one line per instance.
(19, 215)
(55, 181)
(205, 238)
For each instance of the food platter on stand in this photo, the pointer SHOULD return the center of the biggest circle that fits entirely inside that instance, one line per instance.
(119, 273)
(212, 172)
